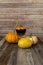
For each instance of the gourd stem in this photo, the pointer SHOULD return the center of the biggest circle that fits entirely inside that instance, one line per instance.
(16, 26)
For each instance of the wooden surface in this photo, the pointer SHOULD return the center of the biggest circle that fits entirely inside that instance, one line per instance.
(27, 12)
(21, 1)
(11, 54)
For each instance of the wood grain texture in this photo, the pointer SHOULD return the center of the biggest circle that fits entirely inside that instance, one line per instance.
(25, 57)
(28, 14)
(21, 5)
(11, 54)
(21, 1)
(25, 11)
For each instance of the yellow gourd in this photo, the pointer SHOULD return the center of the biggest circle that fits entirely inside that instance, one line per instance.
(25, 42)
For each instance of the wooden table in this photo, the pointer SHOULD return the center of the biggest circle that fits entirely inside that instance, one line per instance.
(11, 54)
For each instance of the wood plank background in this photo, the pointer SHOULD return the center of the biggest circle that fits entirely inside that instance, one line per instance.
(27, 12)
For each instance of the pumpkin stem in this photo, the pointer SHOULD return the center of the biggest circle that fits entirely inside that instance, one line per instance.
(16, 26)
(17, 23)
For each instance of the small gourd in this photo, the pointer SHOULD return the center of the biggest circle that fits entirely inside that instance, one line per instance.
(34, 39)
(12, 37)
(25, 42)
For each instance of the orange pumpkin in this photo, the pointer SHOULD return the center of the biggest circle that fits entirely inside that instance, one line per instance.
(12, 37)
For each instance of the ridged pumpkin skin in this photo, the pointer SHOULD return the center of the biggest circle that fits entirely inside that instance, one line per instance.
(12, 38)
